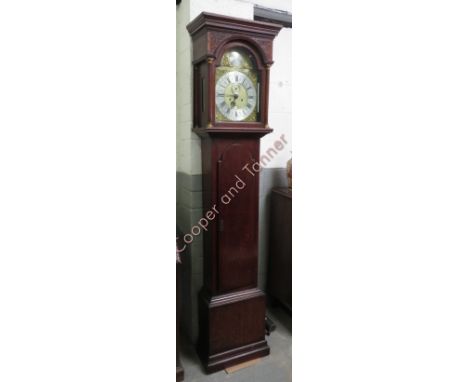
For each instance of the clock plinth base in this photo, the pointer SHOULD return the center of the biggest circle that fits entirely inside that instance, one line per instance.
(232, 329)
(236, 356)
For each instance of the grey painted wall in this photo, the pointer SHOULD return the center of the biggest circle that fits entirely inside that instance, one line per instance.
(189, 211)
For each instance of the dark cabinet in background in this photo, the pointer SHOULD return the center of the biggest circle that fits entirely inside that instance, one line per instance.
(279, 282)
(179, 368)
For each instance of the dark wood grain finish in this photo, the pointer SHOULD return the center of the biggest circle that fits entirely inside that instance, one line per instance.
(238, 222)
(280, 249)
(231, 307)
(232, 328)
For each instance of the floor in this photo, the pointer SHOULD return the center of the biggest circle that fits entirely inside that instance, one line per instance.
(274, 368)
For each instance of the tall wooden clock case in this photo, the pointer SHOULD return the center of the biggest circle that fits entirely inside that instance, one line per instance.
(231, 63)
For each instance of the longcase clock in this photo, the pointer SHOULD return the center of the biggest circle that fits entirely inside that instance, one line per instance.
(231, 63)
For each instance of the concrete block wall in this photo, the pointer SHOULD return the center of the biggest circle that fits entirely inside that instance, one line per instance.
(188, 150)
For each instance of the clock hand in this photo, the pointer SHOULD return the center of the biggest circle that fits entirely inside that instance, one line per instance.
(234, 102)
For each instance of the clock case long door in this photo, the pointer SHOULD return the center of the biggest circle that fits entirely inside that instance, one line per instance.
(231, 306)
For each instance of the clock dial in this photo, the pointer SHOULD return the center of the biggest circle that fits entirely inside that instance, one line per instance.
(236, 96)
(236, 93)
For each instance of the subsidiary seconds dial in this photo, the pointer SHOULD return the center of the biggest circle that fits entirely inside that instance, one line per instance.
(236, 96)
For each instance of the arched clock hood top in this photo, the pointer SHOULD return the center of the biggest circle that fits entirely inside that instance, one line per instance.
(258, 34)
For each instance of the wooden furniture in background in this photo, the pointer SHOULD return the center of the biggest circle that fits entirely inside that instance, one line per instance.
(279, 279)
(231, 306)
(179, 368)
